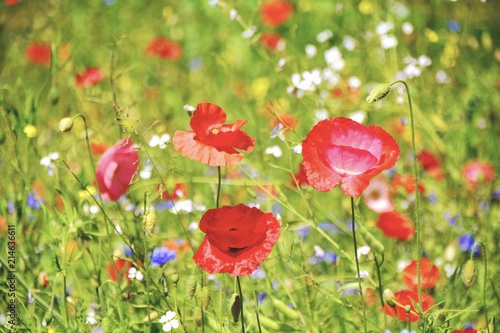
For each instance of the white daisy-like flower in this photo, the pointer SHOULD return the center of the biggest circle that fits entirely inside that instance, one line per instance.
(91, 320)
(274, 150)
(134, 273)
(169, 320)
(311, 50)
(48, 162)
(160, 141)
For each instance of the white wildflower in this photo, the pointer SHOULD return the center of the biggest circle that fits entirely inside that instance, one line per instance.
(169, 320)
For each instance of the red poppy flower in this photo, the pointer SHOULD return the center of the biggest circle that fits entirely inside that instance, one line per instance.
(404, 298)
(179, 191)
(430, 163)
(395, 225)
(476, 171)
(429, 275)
(287, 120)
(89, 77)
(164, 48)
(11, 2)
(275, 12)
(98, 148)
(118, 269)
(300, 177)
(467, 330)
(377, 196)
(211, 142)
(407, 182)
(238, 238)
(273, 41)
(342, 150)
(116, 169)
(38, 53)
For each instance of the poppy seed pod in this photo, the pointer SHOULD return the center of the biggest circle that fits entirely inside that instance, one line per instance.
(469, 273)
(378, 93)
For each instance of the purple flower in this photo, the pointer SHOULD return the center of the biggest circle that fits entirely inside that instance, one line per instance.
(453, 26)
(466, 242)
(161, 255)
(33, 201)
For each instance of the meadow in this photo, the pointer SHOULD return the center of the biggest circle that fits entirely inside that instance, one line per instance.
(249, 166)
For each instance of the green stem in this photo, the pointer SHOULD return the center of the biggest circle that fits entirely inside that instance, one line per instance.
(380, 292)
(241, 304)
(484, 282)
(417, 200)
(357, 264)
(88, 147)
(257, 310)
(218, 187)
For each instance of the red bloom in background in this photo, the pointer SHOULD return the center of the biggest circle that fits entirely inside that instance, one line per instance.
(430, 163)
(98, 148)
(342, 150)
(377, 196)
(275, 12)
(164, 48)
(476, 171)
(406, 297)
(116, 169)
(407, 182)
(429, 276)
(238, 238)
(11, 2)
(118, 269)
(38, 53)
(466, 330)
(89, 77)
(211, 141)
(300, 177)
(395, 225)
(179, 191)
(273, 41)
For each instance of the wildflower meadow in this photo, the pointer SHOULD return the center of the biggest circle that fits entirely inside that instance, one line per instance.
(250, 166)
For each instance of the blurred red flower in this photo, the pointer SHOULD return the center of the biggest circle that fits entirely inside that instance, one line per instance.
(476, 171)
(429, 275)
(275, 12)
(11, 2)
(342, 150)
(211, 141)
(407, 182)
(395, 225)
(238, 239)
(179, 191)
(89, 77)
(273, 41)
(404, 298)
(164, 48)
(466, 330)
(118, 269)
(98, 148)
(38, 53)
(300, 177)
(430, 163)
(377, 196)
(116, 169)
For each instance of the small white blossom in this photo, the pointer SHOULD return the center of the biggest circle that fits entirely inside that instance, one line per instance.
(442, 77)
(407, 28)
(363, 251)
(189, 108)
(134, 273)
(91, 320)
(358, 116)
(333, 58)
(311, 50)
(383, 28)
(274, 150)
(213, 3)
(233, 14)
(318, 251)
(353, 82)
(281, 63)
(349, 43)
(169, 320)
(424, 61)
(160, 141)
(324, 35)
(48, 162)
(320, 115)
(249, 32)
(388, 41)
(297, 149)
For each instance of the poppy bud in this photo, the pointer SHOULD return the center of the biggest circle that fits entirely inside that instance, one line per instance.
(389, 298)
(469, 273)
(53, 96)
(174, 277)
(283, 308)
(372, 242)
(378, 93)
(206, 299)
(191, 285)
(235, 307)
(66, 124)
(149, 222)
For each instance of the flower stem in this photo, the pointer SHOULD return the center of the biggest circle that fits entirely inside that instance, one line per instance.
(417, 199)
(357, 265)
(241, 304)
(218, 187)
(484, 283)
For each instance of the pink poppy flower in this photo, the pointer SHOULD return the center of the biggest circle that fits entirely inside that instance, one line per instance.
(89, 77)
(476, 171)
(116, 169)
(341, 150)
(238, 239)
(377, 196)
(211, 141)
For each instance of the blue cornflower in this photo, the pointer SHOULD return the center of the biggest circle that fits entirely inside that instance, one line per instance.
(161, 255)
(453, 26)
(33, 201)
(466, 242)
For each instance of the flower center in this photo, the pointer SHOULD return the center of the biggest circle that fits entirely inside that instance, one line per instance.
(214, 131)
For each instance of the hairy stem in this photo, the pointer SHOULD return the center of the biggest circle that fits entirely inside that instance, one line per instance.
(357, 265)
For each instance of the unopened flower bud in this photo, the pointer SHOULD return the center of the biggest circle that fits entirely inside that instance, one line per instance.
(149, 222)
(235, 307)
(389, 298)
(378, 93)
(206, 299)
(174, 277)
(66, 124)
(469, 273)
